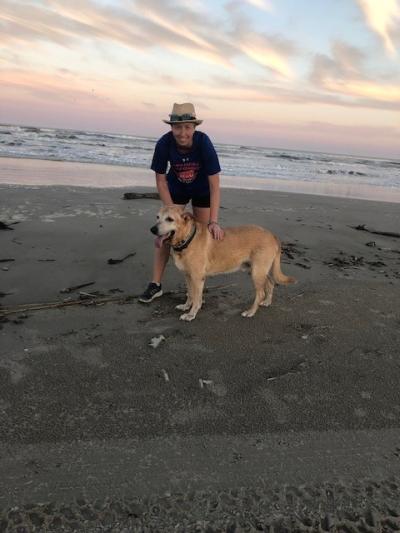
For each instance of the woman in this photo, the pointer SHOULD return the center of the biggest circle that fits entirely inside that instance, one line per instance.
(193, 175)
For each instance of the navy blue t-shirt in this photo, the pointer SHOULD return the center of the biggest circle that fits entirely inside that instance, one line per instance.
(188, 172)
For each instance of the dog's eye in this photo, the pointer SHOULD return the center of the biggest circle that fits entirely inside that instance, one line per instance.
(169, 219)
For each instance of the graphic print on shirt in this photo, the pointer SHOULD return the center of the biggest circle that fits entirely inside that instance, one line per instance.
(187, 171)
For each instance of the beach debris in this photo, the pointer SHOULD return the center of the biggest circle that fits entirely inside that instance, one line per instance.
(219, 389)
(94, 294)
(288, 249)
(7, 260)
(76, 287)
(156, 341)
(25, 308)
(165, 374)
(302, 265)
(141, 196)
(345, 262)
(295, 368)
(288, 254)
(116, 261)
(5, 226)
(376, 263)
(6, 269)
(86, 295)
(205, 382)
(2, 294)
(66, 303)
(361, 227)
(46, 260)
(372, 244)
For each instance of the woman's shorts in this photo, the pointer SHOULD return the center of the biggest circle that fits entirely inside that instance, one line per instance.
(197, 201)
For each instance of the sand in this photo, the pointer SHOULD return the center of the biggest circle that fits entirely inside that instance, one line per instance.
(286, 420)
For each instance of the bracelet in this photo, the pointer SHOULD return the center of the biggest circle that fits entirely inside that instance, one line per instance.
(212, 222)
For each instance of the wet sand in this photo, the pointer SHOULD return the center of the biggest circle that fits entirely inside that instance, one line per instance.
(32, 172)
(289, 419)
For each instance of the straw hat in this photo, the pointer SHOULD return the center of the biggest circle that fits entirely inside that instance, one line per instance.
(183, 113)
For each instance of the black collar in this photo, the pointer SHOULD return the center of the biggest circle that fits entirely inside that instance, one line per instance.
(185, 243)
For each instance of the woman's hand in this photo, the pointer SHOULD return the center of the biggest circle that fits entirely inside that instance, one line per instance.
(216, 231)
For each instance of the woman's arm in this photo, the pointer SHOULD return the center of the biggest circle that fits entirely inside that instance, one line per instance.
(215, 197)
(163, 191)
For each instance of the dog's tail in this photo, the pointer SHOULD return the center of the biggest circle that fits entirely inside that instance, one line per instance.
(277, 274)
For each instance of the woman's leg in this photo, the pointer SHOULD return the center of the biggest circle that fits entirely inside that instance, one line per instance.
(161, 256)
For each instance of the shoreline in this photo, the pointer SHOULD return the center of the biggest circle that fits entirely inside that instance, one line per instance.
(40, 172)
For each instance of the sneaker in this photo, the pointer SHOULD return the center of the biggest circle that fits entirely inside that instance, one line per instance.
(153, 291)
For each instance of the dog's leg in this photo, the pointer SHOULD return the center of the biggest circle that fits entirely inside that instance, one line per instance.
(269, 290)
(188, 304)
(197, 285)
(258, 273)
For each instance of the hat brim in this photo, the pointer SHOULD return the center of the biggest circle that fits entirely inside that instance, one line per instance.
(196, 122)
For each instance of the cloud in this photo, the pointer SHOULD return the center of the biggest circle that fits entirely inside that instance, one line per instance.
(264, 5)
(344, 76)
(346, 62)
(147, 25)
(270, 51)
(383, 17)
(27, 23)
(61, 88)
(252, 65)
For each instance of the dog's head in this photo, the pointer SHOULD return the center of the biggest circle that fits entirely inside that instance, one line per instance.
(172, 225)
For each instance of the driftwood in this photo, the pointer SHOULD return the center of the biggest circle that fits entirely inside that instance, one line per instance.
(361, 227)
(141, 196)
(87, 300)
(58, 305)
(116, 261)
(76, 287)
(3, 225)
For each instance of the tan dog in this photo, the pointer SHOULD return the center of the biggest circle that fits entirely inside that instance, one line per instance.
(198, 255)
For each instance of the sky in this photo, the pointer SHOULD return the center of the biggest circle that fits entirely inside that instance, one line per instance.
(318, 75)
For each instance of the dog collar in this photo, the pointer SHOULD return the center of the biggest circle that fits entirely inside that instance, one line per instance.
(185, 243)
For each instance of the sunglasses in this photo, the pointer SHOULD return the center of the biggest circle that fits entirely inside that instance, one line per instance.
(181, 118)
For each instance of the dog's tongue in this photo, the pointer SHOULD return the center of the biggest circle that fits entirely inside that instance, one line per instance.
(160, 240)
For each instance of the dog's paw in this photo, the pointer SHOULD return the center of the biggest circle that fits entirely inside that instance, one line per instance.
(265, 303)
(188, 317)
(183, 307)
(248, 313)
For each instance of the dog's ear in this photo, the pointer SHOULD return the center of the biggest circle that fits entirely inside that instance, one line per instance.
(186, 215)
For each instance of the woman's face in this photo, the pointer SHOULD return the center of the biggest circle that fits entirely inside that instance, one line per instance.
(183, 134)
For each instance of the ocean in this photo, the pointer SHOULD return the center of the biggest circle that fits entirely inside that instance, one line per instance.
(249, 167)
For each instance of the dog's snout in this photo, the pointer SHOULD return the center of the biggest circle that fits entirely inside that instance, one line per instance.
(154, 229)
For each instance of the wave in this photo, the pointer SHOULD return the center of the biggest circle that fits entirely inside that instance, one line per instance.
(31, 129)
(65, 136)
(235, 160)
(290, 157)
(346, 172)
